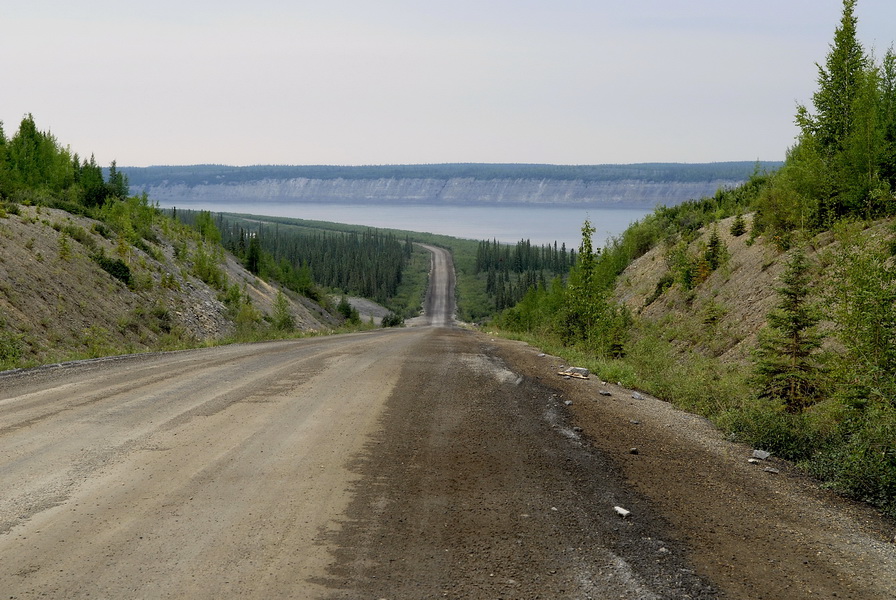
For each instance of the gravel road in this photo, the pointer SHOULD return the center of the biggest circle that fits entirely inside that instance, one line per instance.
(425, 462)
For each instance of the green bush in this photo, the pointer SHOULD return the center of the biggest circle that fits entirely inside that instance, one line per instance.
(393, 320)
(115, 267)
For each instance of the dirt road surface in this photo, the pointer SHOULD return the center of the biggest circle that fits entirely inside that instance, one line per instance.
(438, 306)
(426, 462)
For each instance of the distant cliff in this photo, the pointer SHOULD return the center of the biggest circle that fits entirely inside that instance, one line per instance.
(434, 191)
(637, 186)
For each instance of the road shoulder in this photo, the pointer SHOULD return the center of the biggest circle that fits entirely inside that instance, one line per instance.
(755, 530)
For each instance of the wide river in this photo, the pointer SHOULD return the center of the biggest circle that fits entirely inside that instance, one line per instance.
(509, 224)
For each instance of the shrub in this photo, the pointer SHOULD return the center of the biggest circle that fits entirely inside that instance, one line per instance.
(80, 235)
(115, 267)
(393, 320)
(739, 226)
(282, 319)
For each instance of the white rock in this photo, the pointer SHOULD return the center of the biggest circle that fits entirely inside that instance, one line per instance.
(622, 512)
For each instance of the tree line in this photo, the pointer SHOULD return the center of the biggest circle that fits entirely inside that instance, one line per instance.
(844, 162)
(512, 270)
(368, 263)
(35, 167)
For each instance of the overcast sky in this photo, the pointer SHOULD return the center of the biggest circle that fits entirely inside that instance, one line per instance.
(353, 82)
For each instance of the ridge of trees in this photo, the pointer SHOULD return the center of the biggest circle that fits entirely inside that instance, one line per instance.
(35, 167)
(844, 162)
(142, 177)
(368, 263)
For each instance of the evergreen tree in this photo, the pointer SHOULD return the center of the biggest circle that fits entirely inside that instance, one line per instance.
(117, 187)
(5, 175)
(839, 84)
(888, 119)
(92, 185)
(786, 361)
(739, 225)
(282, 318)
(715, 250)
(253, 256)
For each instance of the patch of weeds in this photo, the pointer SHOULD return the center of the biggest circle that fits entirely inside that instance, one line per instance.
(11, 348)
(163, 317)
(170, 282)
(97, 340)
(128, 324)
(80, 235)
(713, 313)
(149, 249)
(142, 281)
(393, 320)
(8, 208)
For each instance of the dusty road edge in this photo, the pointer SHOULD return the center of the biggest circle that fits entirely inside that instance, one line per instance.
(755, 533)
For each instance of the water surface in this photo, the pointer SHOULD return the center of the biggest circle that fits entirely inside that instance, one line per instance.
(509, 224)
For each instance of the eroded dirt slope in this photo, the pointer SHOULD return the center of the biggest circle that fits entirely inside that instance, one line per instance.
(57, 303)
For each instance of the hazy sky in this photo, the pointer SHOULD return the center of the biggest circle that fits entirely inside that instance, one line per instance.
(401, 81)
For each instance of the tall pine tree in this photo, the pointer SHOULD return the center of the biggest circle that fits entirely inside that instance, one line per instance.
(839, 84)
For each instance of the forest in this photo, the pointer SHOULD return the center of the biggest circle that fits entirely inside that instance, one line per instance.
(819, 386)
(511, 271)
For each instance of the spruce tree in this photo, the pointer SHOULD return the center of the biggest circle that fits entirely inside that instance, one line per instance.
(786, 363)
(839, 83)
(282, 318)
(739, 226)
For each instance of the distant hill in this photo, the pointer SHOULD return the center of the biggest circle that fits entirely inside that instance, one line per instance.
(641, 185)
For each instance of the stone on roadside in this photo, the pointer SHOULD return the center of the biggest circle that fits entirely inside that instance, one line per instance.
(622, 512)
(605, 393)
(637, 396)
(577, 372)
(761, 454)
